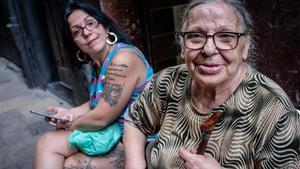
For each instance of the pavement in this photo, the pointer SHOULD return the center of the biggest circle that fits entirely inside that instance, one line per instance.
(19, 129)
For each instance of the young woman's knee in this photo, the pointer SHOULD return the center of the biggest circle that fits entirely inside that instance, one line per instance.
(44, 140)
(51, 139)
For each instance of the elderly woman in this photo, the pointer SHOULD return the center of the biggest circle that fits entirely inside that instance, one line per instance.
(259, 127)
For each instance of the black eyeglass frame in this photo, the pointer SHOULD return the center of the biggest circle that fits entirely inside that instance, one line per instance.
(237, 34)
(86, 26)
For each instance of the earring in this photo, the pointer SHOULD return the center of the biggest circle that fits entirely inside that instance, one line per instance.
(79, 58)
(109, 41)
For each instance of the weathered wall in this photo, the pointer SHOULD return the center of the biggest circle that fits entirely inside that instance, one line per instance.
(278, 29)
(277, 25)
(125, 13)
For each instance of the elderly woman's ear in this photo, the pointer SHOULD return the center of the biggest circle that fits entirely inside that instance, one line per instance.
(246, 48)
(182, 53)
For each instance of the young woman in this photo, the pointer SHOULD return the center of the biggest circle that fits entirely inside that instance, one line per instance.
(120, 73)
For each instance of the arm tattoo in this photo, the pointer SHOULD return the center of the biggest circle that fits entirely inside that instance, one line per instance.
(119, 65)
(112, 89)
(116, 71)
(111, 93)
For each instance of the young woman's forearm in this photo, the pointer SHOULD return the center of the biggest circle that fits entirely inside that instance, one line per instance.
(82, 109)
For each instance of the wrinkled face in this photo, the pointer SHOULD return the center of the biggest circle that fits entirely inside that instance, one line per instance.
(210, 66)
(88, 35)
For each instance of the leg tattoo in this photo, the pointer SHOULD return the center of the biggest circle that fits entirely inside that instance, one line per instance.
(82, 165)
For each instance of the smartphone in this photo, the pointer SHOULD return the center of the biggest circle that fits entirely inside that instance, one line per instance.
(47, 114)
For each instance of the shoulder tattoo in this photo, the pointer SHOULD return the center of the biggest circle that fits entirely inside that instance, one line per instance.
(113, 88)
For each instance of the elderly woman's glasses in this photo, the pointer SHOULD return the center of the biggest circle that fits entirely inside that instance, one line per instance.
(222, 40)
(90, 23)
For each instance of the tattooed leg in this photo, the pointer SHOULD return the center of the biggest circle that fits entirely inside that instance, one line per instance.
(82, 165)
(113, 160)
(117, 158)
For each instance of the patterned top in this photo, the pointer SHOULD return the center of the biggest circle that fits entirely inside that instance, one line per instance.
(97, 83)
(259, 129)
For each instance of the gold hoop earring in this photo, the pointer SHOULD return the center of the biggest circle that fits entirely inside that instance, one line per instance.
(109, 41)
(79, 58)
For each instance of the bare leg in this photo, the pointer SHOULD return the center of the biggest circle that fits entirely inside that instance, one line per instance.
(113, 160)
(51, 150)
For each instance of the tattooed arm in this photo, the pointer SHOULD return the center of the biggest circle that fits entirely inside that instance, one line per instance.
(125, 72)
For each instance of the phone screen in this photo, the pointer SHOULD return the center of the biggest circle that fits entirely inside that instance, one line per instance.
(47, 114)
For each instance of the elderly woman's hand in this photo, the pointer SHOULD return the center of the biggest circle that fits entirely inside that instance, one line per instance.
(195, 161)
